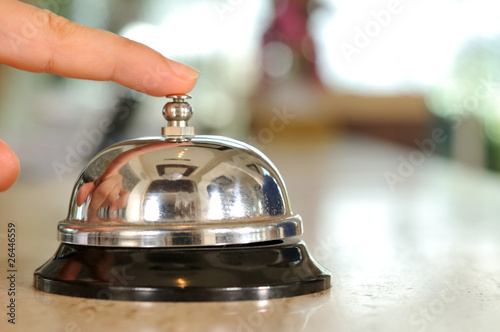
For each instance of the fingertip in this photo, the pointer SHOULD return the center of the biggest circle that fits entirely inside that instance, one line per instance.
(9, 166)
(184, 72)
(166, 87)
(167, 77)
(84, 193)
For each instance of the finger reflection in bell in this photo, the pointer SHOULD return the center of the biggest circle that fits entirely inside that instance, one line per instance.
(104, 199)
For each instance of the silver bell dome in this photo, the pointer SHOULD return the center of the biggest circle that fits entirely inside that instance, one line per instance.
(179, 190)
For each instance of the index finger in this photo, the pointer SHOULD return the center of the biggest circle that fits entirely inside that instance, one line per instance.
(38, 40)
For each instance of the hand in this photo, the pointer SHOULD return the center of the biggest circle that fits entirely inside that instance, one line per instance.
(106, 191)
(39, 41)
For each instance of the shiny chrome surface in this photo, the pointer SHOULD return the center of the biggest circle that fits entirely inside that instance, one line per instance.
(177, 113)
(155, 192)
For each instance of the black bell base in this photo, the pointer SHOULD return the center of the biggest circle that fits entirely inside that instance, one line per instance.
(258, 271)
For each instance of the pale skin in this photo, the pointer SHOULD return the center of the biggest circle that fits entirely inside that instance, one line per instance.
(39, 41)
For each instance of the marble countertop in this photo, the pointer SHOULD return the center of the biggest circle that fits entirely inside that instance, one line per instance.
(412, 241)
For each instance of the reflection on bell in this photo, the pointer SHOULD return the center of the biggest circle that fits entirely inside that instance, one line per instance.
(181, 217)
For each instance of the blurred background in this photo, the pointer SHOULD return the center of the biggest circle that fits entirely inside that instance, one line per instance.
(348, 97)
(277, 70)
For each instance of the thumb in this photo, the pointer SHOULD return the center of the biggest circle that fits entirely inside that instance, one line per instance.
(9, 166)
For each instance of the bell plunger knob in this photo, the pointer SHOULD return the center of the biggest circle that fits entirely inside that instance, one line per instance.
(177, 113)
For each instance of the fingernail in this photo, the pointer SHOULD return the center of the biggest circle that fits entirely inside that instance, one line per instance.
(183, 71)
